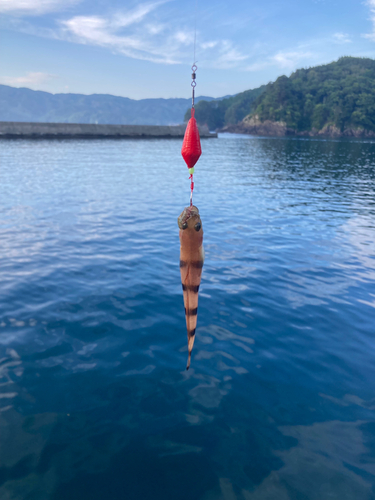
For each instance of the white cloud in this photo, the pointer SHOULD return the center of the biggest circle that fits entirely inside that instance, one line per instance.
(371, 4)
(135, 36)
(34, 7)
(128, 33)
(136, 33)
(341, 38)
(135, 16)
(30, 79)
(258, 66)
(155, 29)
(108, 32)
(208, 45)
(221, 54)
(287, 60)
(182, 37)
(229, 56)
(290, 60)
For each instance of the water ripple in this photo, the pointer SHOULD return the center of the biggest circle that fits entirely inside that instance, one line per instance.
(94, 395)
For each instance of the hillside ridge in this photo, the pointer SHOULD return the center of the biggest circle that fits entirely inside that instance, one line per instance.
(26, 105)
(335, 99)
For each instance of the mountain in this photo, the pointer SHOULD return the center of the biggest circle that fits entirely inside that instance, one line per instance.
(25, 105)
(336, 99)
(226, 111)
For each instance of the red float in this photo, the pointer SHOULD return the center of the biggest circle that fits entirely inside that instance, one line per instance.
(191, 147)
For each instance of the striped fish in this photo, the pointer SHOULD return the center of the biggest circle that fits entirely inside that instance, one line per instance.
(191, 264)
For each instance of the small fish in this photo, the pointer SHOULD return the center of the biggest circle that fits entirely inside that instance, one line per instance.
(191, 264)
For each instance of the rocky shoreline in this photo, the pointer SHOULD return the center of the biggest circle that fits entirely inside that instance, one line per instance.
(253, 126)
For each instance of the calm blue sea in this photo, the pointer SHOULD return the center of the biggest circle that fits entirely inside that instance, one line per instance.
(95, 401)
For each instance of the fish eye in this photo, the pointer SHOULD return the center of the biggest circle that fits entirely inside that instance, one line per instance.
(197, 226)
(184, 225)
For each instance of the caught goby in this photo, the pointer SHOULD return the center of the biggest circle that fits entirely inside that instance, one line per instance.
(191, 264)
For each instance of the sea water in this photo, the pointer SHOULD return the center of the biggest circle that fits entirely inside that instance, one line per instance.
(95, 401)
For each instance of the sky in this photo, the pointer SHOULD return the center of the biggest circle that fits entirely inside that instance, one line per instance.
(145, 49)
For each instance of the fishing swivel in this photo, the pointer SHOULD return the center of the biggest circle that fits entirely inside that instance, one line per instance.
(193, 83)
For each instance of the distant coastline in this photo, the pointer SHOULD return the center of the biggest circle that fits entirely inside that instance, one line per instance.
(33, 130)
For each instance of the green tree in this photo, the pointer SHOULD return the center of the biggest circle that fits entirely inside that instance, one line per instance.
(219, 113)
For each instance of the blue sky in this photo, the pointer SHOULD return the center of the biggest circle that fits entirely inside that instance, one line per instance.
(141, 49)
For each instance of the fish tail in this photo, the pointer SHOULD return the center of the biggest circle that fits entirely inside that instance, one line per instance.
(188, 361)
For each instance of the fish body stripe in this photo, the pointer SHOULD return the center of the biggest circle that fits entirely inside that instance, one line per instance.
(191, 264)
(197, 264)
(191, 312)
(190, 288)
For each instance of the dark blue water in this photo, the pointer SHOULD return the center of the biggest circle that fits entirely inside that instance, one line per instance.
(95, 402)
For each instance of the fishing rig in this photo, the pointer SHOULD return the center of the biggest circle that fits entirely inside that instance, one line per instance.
(190, 224)
(191, 146)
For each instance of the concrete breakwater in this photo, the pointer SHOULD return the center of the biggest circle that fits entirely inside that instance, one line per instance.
(93, 131)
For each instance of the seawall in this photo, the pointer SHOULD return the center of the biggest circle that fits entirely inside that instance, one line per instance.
(93, 131)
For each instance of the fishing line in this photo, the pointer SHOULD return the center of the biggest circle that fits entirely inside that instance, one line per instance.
(195, 29)
(191, 146)
(193, 85)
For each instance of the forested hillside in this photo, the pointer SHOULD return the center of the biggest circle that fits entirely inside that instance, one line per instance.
(219, 113)
(339, 96)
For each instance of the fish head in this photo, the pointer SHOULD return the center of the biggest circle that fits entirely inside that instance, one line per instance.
(191, 231)
(190, 220)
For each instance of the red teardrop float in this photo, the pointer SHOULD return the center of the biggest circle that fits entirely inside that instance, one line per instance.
(191, 147)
